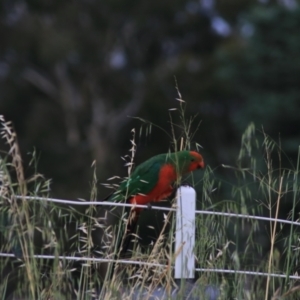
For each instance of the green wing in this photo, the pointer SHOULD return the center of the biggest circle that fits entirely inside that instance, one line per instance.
(142, 180)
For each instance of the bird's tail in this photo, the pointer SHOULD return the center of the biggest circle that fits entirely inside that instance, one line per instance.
(131, 228)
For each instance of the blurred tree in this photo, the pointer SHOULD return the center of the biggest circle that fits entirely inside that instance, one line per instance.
(261, 73)
(71, 74)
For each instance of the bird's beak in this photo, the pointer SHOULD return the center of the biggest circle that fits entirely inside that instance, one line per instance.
(201, 165)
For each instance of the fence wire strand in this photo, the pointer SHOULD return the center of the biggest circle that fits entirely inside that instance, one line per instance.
(201, 212)
(133, 262)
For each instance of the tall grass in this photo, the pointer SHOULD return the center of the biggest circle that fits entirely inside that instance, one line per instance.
(258, 183)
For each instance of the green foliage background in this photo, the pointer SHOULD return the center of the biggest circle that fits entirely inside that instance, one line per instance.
(72, 74)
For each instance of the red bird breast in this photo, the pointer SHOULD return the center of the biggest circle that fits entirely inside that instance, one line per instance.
(163, 188)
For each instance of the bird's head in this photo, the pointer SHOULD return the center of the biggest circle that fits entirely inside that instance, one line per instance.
(196, 161)
(187, 161)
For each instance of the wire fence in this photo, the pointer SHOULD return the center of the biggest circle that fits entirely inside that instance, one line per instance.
(151, 264)
(201, 212)
(133, 262)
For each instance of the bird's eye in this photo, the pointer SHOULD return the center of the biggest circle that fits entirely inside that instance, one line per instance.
(192, 159)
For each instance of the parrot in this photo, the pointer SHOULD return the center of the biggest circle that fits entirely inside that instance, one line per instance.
(151, 181)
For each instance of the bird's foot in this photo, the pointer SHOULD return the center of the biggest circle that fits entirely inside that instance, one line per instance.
(149, 205)
(184, 183)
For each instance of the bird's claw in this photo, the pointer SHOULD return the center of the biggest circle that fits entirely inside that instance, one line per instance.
(149, 205)
(185, 184)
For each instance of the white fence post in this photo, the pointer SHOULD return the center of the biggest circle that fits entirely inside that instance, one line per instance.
(185, 233)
